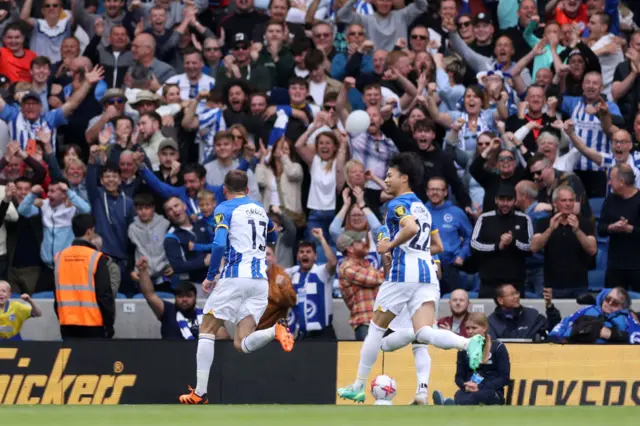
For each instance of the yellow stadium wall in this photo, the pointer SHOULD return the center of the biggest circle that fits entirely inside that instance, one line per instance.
(541, 374)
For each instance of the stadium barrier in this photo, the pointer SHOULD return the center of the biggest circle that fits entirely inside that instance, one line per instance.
(541, 374)
(157, 372)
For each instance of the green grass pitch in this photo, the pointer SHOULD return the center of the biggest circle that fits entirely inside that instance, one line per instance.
(314, 415)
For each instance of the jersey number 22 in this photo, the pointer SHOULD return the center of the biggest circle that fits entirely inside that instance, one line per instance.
(424, 228)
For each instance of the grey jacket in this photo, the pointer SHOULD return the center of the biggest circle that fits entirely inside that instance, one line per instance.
(286, 242)
(148, 239)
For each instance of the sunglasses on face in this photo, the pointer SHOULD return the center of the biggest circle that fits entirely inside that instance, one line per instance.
(115, 101)
(613, 302)
(359, 34)
(418, 37)
(51, 6)
(329, 108)
(465, 24)
(504, 159)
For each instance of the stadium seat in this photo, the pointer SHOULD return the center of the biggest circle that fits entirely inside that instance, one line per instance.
(602, 256)
(596, 280)
(161, 295)
(634, 295)
(473, 295)
(121, 296)
(529, 295)
(596, 206)
(446, 296)
(15, 295)
(464, 281)
(475, 283)
(43, 295)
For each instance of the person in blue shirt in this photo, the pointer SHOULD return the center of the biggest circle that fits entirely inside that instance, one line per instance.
(484, 385)
(455, 232)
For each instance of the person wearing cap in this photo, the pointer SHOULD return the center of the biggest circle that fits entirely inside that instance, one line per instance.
(25, 120)
(238, 65)
(145, 101)
(483, 31)
(113, 103)
(193, 81)
(501, 241)
(180, 319)
(359, 281)
(243, 20)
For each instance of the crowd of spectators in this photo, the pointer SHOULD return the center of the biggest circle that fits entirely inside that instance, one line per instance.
(525, 115)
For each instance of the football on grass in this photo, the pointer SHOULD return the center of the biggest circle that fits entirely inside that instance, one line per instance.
(383, 388)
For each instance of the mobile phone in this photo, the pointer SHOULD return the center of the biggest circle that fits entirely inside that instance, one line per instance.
(476, 378)
(31, 146)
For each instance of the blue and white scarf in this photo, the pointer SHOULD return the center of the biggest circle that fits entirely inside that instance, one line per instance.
(183, 323)
(283, 113)
(22, 130)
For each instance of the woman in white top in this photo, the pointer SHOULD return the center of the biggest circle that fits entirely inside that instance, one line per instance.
(326, 166)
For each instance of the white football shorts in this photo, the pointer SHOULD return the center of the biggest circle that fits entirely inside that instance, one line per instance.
(404, 300)
(234, 299)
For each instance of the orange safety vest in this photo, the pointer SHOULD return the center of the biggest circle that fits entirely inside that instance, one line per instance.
(75, 270)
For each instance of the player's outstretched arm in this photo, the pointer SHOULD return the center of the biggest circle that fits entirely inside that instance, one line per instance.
(217, 252)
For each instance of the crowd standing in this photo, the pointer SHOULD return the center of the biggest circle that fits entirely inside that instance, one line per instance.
(119, 121)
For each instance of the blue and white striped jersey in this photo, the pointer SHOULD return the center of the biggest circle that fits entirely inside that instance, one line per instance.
(248, 225)
(589, 128)
(188, 90)
(411, 261)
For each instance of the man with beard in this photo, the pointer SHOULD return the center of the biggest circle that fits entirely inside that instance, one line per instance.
(243, 21)
(437, 163)
(187, 265)
(193, 80)
(238, 65)
(621, 146)
(501, 239)
(548, 179)
(180, 319)
(359, 280)
(569, 244)
(457, 321)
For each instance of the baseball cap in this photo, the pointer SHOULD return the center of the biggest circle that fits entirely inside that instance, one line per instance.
(345, 240)
(506, 190)
(4, 79)
(240, 40)
(167, 143)
(31, 95)
(482, 17)
(145, 96)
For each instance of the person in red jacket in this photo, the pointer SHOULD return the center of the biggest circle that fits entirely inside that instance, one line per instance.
(457, 321)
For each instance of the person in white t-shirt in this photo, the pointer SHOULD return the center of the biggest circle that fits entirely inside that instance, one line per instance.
(605, 47)
(326, 160)
(193, 81)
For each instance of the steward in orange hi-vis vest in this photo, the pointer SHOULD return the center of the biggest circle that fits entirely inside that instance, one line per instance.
(84, 300)
(75, 270)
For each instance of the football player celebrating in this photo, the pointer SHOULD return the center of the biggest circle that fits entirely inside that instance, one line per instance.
(412, 280)
(240, 295)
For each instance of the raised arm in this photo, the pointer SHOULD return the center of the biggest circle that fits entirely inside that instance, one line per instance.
(305, 151)
(347, 15)
(577, 141)
(25, 13)
(332, 261)
(78, 96)
(146, 288)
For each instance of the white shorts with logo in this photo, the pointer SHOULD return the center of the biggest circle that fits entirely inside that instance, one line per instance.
(404, 300)
(234, 299)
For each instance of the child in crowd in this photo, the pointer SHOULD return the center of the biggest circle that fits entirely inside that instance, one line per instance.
(147, 234)
(206, 204)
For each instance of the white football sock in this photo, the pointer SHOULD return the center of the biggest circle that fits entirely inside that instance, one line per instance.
(204, 359)
(258, 339)
(423, 366)
(369, 354)
(398, 339)
(443, 339)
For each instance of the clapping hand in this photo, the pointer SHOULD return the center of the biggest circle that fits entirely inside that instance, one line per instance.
(505, 240)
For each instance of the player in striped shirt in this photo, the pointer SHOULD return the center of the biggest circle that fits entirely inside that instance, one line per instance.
(239, 293)
(412, 282)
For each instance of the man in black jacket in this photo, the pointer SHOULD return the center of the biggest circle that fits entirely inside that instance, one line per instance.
(437, 163)
(626, 82)
(501, 241)
(511, 320)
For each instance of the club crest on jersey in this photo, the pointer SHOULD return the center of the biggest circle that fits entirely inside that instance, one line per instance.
(400, 211)
(380, 236)
(219, 217)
